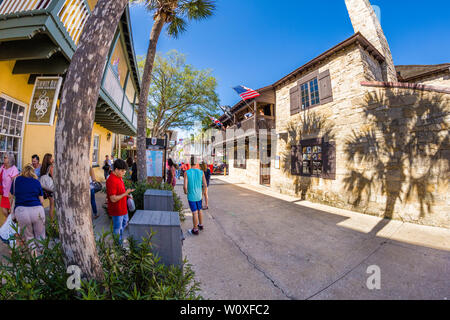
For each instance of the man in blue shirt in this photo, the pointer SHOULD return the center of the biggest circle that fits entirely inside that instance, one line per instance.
(194, 186)
(36, 165)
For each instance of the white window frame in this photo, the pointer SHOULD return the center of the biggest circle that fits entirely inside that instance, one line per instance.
(23, 104)
(94, 149)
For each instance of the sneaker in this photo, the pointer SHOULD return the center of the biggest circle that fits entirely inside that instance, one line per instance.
(194, 232)
(200, 227)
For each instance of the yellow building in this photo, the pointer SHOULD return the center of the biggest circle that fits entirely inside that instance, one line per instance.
(37, 40)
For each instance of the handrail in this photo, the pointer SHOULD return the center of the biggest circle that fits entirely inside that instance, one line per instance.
(13, 6)
(73, 15)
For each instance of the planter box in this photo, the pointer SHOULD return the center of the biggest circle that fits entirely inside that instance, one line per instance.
(168, 237)
(158, 200)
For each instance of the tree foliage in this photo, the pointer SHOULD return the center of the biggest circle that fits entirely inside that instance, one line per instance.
(179, 94)
(174, 13)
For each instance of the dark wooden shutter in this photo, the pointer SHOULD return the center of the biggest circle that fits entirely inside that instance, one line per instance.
(295, 100)
(329, 160)
(325, 90)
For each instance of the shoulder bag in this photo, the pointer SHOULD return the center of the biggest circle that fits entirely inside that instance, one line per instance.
(131, 205)
(47, 182)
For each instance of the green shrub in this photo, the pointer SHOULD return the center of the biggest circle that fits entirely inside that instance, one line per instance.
(130, 274)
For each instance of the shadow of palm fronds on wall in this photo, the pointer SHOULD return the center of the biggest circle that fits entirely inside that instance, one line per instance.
(308, 125)
(401, 153)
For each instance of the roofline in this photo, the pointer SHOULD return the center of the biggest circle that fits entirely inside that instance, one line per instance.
(260, 90)
(426, 74)
(130, 46)
(357, 38)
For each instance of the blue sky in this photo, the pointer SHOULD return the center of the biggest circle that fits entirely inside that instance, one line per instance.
(257, 42)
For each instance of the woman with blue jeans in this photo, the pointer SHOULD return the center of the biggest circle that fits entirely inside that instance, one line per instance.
(93, 203)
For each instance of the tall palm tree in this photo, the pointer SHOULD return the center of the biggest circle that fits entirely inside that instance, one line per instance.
(176, 14)
(73, 138)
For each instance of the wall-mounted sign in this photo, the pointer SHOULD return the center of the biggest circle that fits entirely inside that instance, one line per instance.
(43, 101)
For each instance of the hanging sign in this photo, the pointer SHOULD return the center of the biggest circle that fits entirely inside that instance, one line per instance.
(43, 101)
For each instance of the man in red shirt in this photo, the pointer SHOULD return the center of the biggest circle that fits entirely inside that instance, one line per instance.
(117, 197)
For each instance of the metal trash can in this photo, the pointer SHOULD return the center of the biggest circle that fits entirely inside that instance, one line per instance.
(168, 237)
(158, 200)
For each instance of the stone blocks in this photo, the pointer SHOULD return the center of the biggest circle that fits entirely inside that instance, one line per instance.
(158, 200)
(167, 238)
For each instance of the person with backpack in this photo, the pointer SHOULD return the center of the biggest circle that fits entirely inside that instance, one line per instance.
(47, 170)
(194, 184)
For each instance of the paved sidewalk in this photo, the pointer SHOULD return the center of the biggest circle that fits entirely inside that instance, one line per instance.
(258, 244)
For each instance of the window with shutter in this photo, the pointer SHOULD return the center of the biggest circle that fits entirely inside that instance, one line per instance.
(295, 100)
(325, 91)
(329, 160)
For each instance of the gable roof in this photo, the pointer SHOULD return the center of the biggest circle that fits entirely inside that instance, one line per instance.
(357, 38)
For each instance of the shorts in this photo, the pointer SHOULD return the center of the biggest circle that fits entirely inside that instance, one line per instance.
(47, 194)
(5, 203)
(195, 205)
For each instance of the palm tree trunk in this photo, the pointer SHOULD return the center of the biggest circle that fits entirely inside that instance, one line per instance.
(143, 97)
(73, 138)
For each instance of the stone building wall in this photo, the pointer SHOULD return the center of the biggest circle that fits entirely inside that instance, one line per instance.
(250, 175)
(442, 79)
(347, 69)
(373, 69)
(392, 147)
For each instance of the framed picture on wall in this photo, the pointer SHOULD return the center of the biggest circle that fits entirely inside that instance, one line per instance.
(43, 100)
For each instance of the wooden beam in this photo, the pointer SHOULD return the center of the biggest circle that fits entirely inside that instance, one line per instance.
(57, 64)
(42, 48)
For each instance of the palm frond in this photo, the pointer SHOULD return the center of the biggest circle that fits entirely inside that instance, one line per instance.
(197, 9)
(176, 27)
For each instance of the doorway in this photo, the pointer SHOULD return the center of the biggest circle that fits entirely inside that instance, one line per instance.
(264, 164)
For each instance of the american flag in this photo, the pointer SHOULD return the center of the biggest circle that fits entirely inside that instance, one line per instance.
(246, 93)
(216, 122)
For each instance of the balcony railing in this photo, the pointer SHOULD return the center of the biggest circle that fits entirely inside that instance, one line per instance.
(14, 6)
(111, 85)
(135, 120)
(262, 122)
(127, 108)
(73, 15)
